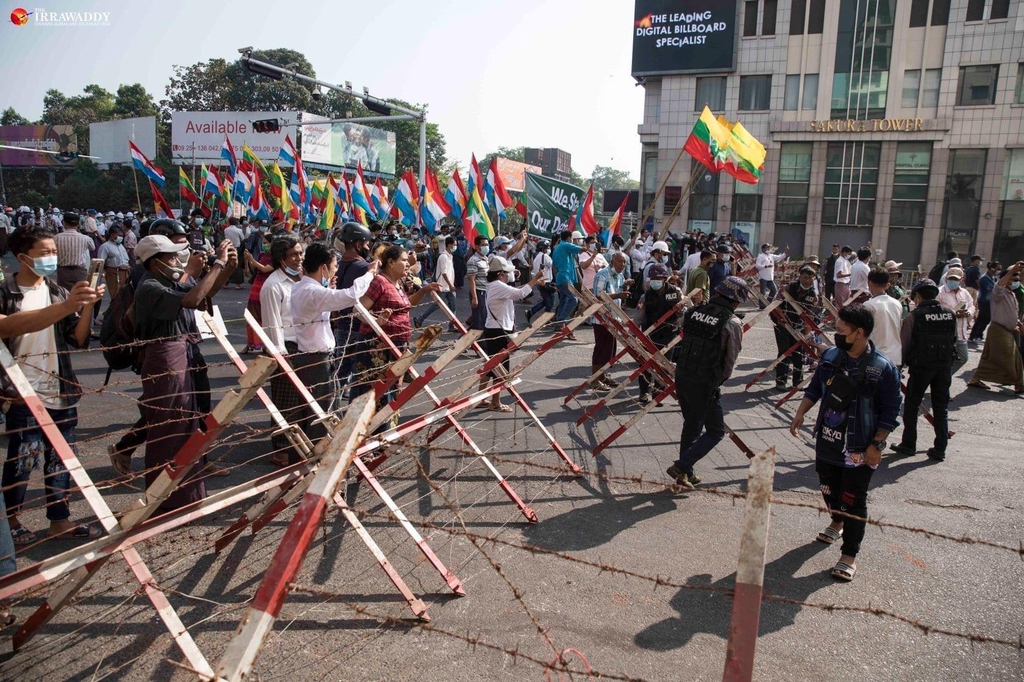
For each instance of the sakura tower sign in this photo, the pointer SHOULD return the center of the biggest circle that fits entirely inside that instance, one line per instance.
(693, 36)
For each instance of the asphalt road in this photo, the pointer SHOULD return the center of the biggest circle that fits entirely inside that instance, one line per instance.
(623, 625)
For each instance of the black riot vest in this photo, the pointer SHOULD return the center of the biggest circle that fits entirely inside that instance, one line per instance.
(700, 353)
(934, 337)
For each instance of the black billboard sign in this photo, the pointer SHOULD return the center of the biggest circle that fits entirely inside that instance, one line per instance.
(684, 36)
(613, 199)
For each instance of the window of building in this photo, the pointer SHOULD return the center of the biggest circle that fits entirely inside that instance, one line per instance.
(746, 208)
(975, 10)
(977, 85)
(710, 91)
(771, 9)
(810, 91)
(918, 13)
(962, 200)
(1000, 9)
(932, 81)
(851, 182)
(794, 191)
(910, 184)
(816, 18)
(755, 93)
(672, 197)
(1009, 241)
(940, 13)
(704, 197)
(863, 54)
(650, 175)
(750, 18)
(796, 17)
(792, 98)
(1018, 90)
(911, 88)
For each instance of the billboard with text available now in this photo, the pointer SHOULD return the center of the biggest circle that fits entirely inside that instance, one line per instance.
(696, 36)
(59, 138)
(197, 136)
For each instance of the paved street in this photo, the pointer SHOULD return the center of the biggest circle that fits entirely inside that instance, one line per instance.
(624, 626)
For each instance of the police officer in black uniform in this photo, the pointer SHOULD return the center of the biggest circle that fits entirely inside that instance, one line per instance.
(712, 338)
(802, 291)
(659, 298)
(929, 342)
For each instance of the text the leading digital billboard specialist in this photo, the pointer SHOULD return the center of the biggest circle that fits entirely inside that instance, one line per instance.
(684, 36)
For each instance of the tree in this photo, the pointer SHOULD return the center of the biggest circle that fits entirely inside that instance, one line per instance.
(10, 117)
(606, 177)
(132, 101)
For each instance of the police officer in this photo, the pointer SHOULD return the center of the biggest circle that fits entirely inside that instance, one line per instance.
(929, 341)
(659, 298)
(712, 338)
(802, 291)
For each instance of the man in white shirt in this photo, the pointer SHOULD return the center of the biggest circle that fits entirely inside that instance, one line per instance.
(444, 275)
(888, 314)
(276, 319)
(843, 271)
(641, 252)
(766, 272)
(956, 298)
(859, 273)
(235, 234)
(313, 299)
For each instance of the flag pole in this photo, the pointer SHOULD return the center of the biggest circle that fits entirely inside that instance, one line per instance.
(684, 199)
(138, 197)
(649, 210)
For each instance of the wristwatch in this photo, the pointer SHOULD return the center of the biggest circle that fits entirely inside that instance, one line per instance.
(880, 444)
(221, 263)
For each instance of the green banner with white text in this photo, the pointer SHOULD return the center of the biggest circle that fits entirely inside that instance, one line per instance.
(549, 203)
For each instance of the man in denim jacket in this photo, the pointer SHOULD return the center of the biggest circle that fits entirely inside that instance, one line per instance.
(849, 440)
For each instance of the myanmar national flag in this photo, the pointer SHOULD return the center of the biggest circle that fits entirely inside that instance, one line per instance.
(250, 156)
(279, 189)
(475, 218)
(185, 188)
(745, 155)
(709, 141)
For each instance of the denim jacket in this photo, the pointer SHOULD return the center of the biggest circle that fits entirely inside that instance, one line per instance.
(877, 405)
(10, 302)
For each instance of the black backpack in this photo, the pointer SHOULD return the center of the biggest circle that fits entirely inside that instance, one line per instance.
(117, 333)
(935, 274)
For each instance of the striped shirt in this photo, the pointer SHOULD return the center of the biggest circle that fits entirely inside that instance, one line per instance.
(73, 249)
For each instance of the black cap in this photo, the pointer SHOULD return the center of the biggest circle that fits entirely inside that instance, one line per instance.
(723, 249)
(72, 219)
(925, 284)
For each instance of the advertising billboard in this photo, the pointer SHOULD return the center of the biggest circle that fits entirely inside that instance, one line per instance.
(317, 139)
(613, 199)
(197, 136)
(692, 37)
(108, 141)
(355, 143)
(59, 138)
(513, 173)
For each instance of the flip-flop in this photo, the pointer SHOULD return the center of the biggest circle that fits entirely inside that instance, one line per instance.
(22, 536)
(500, 408)
(829, 535)
(844, 572)
(80, 532)
(121, 461)
(7, 619)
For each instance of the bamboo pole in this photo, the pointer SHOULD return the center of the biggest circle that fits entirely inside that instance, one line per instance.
(684, 200)
(650, 209)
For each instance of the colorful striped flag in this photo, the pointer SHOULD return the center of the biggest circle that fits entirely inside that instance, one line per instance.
(745, 155)
(497, 197)
(455, 195)
(227, 153)
(279, 189)
(615, 227)
(254, 161)
(407, 199)
(475, 219)
(585, 215)
(708, 141)
(140, 162)
(160, 201)
(185, 188)
(476, 180)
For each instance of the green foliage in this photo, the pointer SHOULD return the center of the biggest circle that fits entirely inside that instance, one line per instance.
(10, 117)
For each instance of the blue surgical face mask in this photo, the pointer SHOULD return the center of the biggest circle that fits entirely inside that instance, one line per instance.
(656, 284)
(324, 282)
(952, 285)
(1015, 285)
(200, 221)
(118, 240)
(45, 266)
(484, 250)
(291, 271)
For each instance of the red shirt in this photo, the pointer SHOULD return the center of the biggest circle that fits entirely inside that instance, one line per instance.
(386, 294)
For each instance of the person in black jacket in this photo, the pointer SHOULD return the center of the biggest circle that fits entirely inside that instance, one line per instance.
(929, 341)
(658, 300)
(830, 272)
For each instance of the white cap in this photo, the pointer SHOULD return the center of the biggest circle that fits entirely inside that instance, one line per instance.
(578, 235)
(129, 214)
(892, 265)
(156, 244)
(660, 246)
(110, 214)
(497, 264)
(120, 215)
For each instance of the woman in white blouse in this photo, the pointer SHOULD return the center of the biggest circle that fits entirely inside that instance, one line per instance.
(501, 315)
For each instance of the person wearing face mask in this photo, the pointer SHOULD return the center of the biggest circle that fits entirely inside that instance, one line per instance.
(859, 390)
(444, 275)
(597, 261)
(896, 289)
(698, 283)
(720, 269)
(929, 342)
(830, 272)
(354, 240)
(196, 236)
(659, 256)
(313, 299)
(476, 276)
(168, 392)
(612, 281)
(888, 314)
(766, 262)
(955, 297)
(986, 283)
(73, 250)
(565, 265)
(40, 322)
(842, 274)
(257, 257)
(115, 261)
(659, 298)
(1001, 361)
(712, 340)
(802, 291)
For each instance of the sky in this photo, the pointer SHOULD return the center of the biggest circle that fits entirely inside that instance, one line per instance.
(493, 73)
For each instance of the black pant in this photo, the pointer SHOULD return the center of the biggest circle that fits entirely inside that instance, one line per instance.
(938, 378)
(314, 370)
(984, 317)
(701, 405)
(784, 341)
(845, 489)
(645, 377)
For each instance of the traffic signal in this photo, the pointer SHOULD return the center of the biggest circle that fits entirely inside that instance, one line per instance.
(377, 108)
(267, 125)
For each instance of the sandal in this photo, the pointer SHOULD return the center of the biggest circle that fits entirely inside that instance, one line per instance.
(279, 461)
(121, 461)
(977, 384)
(500, 408)
(7, 619)
(844, 572)
(830, 535)
(80, 532)
(22, 536)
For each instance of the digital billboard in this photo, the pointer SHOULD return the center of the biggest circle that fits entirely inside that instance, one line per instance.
(696, 36)
(58, 138)
(354, 143)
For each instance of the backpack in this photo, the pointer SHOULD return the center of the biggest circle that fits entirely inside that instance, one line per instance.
(117, 333)
(935, 274)
(636, 292)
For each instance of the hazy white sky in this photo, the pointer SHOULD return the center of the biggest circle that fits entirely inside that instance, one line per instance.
(494, 72)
